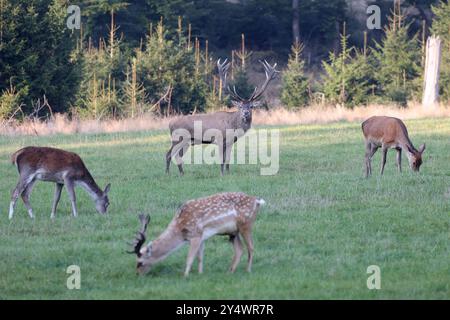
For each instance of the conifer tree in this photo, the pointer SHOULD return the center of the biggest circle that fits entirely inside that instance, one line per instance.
(241, 81)
(165, 63)
(336, 73)
(133, 93)
(398, 61)
(37, 53)
(294, 92)
(348, 76)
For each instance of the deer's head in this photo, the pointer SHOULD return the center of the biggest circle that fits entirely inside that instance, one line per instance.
(102, 202)
(245, 105)
(143, 253)
(415, 157)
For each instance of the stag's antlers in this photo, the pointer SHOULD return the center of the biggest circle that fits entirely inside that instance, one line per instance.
(270, 71)
(140, 235)
(223, 72)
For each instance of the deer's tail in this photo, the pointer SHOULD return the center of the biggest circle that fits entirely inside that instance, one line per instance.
(260, 201)
(15, 155)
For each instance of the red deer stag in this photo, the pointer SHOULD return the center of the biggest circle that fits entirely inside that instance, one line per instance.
(59, 166)
(229, 126)
(230, 213)
(389, 133)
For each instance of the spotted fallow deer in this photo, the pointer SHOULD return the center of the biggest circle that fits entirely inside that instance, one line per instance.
(230, 213)
(229, 126)
(58, 166)
(389, 133)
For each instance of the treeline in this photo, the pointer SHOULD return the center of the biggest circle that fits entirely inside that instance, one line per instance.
(390, 71)
(155, 62)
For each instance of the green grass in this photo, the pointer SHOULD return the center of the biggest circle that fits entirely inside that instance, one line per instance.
(323, 224)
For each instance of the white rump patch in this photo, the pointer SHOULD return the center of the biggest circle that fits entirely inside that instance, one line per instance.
(260, 201)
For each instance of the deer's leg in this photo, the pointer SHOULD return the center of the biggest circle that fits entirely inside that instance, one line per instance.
(384, 150)
(57, 196)
(168, 159)
(370, 151)
(222, 148)
(193, 251)
(374, 149)
(247, 234)
(26, 197)
(179, 150)
(180, 155)
(399, 159)
(225, 151)
(20, 187)
(71, 191)
(169, 156)
(228, 150)
(367, 158)
(237, 246)
(200, 257)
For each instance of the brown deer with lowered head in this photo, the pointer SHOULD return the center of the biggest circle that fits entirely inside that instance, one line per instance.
(59, 166)
(228, 126)
(229, 213)
(389, 133)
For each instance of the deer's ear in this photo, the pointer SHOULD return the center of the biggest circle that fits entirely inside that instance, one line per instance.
(410, 150)
(422, 148)
(237, 104)
(107, 188)
(256, 104)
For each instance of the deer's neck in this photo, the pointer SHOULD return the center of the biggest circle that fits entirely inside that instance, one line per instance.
(244, 119)
(404, 141)
(88, 183)
(406, 144)
(167, 243)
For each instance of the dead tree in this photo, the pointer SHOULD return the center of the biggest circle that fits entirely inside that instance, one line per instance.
(431, 72)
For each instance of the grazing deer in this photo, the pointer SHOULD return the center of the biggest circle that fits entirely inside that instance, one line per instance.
(55, 165)
(230, 213)
(389, 133)
(229, 125)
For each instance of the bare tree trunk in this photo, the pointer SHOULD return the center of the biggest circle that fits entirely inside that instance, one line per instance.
(431, 73)
(111, 35)
(295, 21)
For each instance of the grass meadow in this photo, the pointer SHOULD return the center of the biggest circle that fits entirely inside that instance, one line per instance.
(323, 224)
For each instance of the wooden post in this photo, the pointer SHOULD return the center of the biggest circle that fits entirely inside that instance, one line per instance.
(430, 96)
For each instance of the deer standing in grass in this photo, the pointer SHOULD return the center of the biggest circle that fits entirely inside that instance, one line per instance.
(230, 213)
(58, 166)
(229, 126)
(389, 133)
